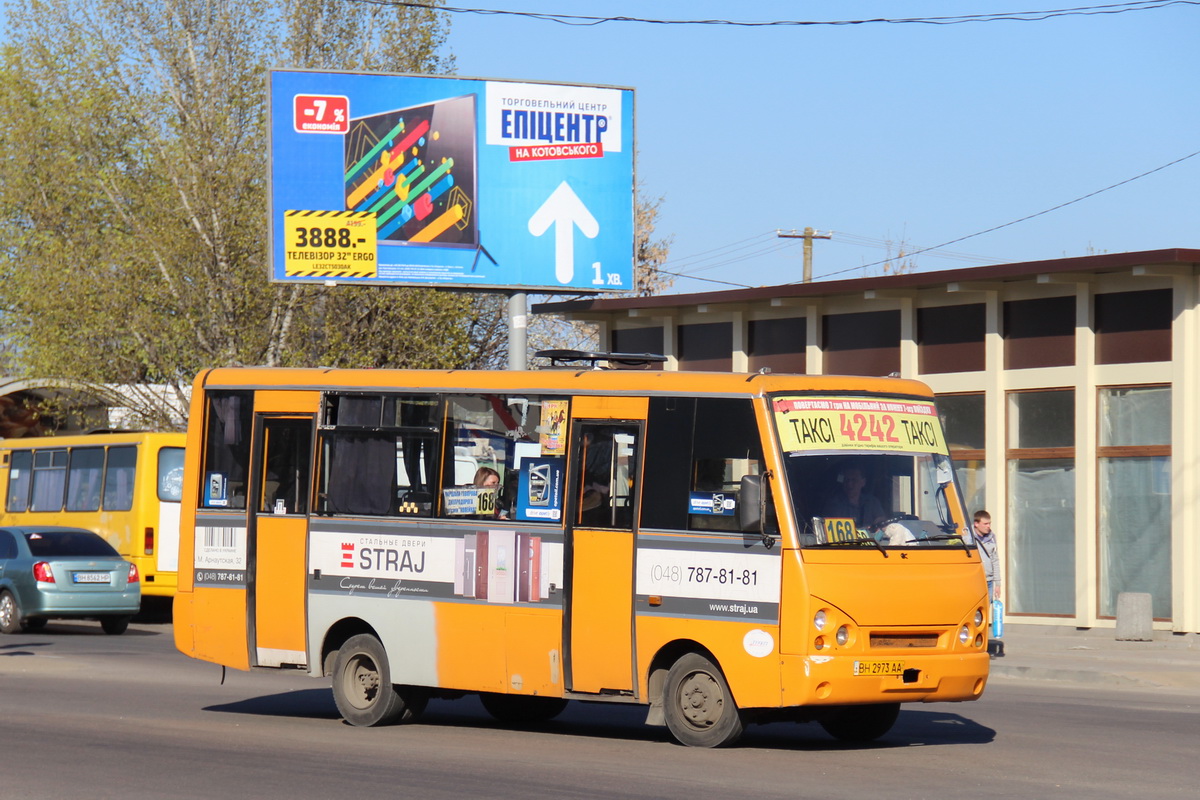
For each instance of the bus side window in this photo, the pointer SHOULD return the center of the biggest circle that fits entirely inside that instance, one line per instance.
(504, 457)
(379, 454)
(670, 423)
(118, 478)
(359, 473)
(84, 477)
(49, 479)
(725, 447)
(226, 450)
(20, 475)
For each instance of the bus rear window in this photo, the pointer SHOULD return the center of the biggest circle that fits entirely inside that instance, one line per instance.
(170, 474)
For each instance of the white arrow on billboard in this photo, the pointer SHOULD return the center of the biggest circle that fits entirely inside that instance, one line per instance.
(564, 210)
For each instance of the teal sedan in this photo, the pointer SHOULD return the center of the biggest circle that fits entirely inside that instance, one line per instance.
(49, 572)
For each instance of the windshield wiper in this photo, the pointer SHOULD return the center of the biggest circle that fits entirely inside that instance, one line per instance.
(944, 537)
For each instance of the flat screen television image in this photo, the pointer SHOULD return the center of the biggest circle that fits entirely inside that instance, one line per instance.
(415, 169)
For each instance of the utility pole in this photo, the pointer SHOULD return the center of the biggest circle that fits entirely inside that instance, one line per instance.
(808, 236)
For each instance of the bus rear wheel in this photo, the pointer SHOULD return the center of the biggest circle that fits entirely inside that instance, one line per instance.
(698, 705)
(522, 709)
(363, 689)
(861, 724)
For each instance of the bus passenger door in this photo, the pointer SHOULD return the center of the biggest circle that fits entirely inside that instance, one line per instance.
(278, 506)
(604, 489)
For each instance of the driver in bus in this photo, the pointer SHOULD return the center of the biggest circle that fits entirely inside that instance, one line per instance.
(851, 501)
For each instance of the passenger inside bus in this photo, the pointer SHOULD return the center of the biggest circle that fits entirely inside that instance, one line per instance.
(851, 501)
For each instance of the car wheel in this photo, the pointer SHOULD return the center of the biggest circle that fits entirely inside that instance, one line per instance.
(861, 724)
(363, 689)
(698, 705)
(10, 613)
(522, 709)
(114, 626)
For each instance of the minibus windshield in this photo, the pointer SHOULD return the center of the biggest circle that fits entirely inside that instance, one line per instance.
(869, 471)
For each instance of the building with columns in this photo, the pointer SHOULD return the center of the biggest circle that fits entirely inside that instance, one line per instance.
(1069, 390)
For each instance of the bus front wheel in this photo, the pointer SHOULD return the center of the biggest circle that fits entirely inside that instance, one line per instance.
(698, 705)
(861, 723)
(363, 689)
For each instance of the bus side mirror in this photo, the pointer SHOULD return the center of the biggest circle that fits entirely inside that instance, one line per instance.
(750, 504)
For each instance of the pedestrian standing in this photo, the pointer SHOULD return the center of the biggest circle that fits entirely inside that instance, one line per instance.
(985, 540)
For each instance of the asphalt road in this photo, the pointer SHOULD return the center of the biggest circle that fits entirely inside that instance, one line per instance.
(89, 715)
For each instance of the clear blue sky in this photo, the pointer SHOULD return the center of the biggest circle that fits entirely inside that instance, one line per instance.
(911, 134)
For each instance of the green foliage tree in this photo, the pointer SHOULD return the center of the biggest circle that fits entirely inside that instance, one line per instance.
(133, 193)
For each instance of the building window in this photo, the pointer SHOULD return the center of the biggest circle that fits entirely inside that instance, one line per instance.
(707, 345)
(1040, 571)
(1039, 333)
(950, 339)
(963, 421)
(867, 343)
(1135, 496)
(1132, 327)
(777, 344)
(638, 340)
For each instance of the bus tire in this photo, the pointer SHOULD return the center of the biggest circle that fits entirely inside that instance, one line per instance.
(10, 613)
(861, 724)
(114, 626)
(522, 709)
(698, 706)
(362, 685)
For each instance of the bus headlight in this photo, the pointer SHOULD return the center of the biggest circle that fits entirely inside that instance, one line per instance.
(843, 635)
(964, 634)
(819, 620)
(978, 617)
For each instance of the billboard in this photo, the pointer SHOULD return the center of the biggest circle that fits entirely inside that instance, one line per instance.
(450, 182)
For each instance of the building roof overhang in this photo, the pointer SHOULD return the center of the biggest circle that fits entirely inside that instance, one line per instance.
(1176, 259)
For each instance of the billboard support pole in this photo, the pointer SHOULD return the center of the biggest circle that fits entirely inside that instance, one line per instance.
(518, 323)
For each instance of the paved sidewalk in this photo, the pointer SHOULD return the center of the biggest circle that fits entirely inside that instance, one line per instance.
(1093, 656)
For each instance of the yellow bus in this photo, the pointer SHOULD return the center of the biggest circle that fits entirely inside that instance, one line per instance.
(125, 486)
(684, 541)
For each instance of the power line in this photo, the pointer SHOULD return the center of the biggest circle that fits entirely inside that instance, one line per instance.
(1022, 219)
(1004, 16)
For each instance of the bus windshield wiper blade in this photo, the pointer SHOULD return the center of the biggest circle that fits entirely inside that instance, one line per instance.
(944, 537)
